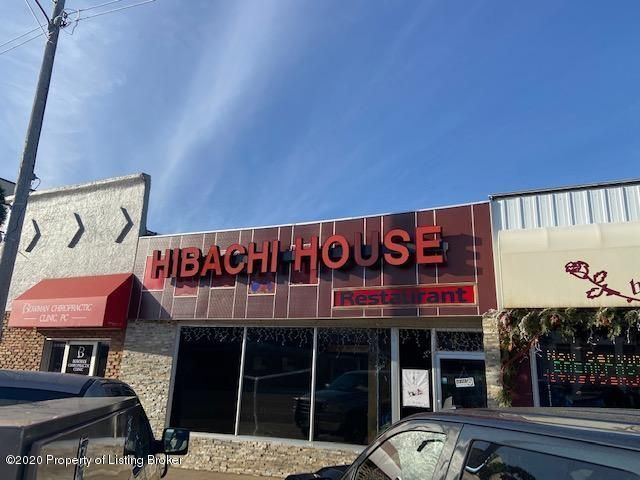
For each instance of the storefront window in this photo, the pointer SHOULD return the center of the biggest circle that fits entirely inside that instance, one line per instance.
(80, 357)
(353, 387)
(55, 352)
(206, 382)
(277, 373)
(351, 399)
(590, 371)
(101, 359)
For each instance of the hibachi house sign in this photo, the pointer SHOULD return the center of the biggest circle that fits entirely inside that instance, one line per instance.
(427, 263)
(335, 253)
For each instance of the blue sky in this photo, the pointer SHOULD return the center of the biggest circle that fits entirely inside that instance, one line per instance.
(274, 111)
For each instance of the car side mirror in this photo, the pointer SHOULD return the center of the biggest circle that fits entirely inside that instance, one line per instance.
(175, 441)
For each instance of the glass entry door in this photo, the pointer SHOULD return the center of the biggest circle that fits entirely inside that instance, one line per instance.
(461, 381)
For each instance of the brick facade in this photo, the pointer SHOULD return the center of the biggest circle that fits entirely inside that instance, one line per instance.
(21, 348)
(147, 361)
(492, 360)
(262, 457)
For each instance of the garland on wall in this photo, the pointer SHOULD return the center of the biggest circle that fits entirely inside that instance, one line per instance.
(521, 329)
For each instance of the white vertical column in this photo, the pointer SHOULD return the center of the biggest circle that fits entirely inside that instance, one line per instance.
(435, 371)
(174, 370)
(312, 398)
(242, 355)
(395, 374)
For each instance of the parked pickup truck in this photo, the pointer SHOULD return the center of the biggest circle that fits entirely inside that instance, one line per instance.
(78, 437)
(501, 444)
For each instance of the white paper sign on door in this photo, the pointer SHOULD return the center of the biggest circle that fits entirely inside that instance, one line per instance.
(415, 388)
(465, 382)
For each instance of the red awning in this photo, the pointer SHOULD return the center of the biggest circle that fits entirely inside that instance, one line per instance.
(98, 302)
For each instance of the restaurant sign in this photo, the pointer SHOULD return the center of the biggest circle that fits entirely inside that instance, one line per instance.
(336, 252)
(405, 296)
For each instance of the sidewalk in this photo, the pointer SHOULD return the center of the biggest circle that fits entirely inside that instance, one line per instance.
(184, 474)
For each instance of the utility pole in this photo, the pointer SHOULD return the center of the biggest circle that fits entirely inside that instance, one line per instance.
(25, 174)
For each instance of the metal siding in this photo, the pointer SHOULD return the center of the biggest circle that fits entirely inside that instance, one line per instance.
(598, 206)
(513, 213)
(581, 208)
(546, 210)
(530, 217)
(613, 204)
(632, 196)
(564, 216)
(617, 205)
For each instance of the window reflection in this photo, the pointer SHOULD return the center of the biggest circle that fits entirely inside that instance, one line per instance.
(277, 371)
(490, 461)
(353, 390)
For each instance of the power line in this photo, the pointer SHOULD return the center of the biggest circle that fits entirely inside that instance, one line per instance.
(68, 23)
(43, 12)
(100, 5)
(34, 16)
(21, 43)
(109, 11)
(18, 37)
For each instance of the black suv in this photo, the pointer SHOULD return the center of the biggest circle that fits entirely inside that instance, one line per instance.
(509, 444)
(21, 386)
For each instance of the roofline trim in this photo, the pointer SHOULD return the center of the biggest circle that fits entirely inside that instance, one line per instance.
(240, 229)
(585, 186)
(85, 186)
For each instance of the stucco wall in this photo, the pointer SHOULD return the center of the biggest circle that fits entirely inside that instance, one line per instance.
(101, 249)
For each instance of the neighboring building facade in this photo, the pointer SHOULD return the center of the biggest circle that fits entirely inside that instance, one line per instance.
(69, 296)
(7, 187)
(570, 258)
(288, 348)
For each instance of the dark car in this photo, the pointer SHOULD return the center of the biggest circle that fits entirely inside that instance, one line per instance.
(502, 444)
(19, 386)
(341, 407)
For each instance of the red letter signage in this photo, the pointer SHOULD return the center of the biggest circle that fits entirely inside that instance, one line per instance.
(422, 245)
(334, 253)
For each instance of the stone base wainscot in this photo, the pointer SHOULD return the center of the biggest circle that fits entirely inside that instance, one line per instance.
(261, 457)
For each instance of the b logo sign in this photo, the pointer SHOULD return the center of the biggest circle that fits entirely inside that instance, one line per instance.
(80, 352)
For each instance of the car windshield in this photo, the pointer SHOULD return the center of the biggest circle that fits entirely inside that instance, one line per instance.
(350, 382)
(14, 396)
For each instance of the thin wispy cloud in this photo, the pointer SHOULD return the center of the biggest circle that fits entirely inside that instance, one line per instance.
(225, 89)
